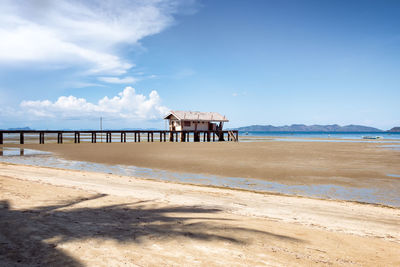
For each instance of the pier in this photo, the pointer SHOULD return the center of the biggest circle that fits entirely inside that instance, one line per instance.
(95, 136)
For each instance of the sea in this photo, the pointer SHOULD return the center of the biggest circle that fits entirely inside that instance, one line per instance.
(323, 135)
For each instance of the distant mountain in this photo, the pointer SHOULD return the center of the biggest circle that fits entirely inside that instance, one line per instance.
(395, 129)
(18, 129)
(309, 128)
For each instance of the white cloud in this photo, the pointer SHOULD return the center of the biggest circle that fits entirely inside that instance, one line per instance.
(235, 94)
(78, 32)
(126, 105)
(117, 80)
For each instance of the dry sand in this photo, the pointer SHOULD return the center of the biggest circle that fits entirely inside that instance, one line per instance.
(60, 217)
(352, 164)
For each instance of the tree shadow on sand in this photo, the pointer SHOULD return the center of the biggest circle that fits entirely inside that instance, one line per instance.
(23, 233)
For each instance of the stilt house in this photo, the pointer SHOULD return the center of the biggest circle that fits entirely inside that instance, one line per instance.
(195, 121)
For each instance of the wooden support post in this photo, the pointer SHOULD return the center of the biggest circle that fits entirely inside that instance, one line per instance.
(93, 137)
(196, 136)
(59, 138)
(77, 137)
(237, 136)
(1, 138)
(176, 137)
(213, 136)
(152, 136)
(21, 152)
(165, 137)
(138, 137)
(187, 136)
(171, 136)
(21, 138)
(221, 136)
(208, 136)
(148, 137)
(204, 136)
(182, 137)
(41, 138)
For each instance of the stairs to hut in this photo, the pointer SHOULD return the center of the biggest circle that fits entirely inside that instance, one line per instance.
(232, 136)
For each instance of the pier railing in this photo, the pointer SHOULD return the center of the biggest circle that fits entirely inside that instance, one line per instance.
(136, 135)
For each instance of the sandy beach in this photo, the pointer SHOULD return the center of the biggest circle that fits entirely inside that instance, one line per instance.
(57, 217)
(63, 217)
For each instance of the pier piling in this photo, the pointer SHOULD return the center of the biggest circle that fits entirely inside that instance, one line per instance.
(77, 137)
(21, 138)
(93, 137)
(59, 138)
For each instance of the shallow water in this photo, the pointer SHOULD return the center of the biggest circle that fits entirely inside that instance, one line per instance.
(326, 191)
(289, 139)
(394, 147)
(323, 135)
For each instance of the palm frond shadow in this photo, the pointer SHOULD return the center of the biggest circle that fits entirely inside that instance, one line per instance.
(23, 233)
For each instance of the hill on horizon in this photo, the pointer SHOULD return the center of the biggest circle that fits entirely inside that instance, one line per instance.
(309, 128)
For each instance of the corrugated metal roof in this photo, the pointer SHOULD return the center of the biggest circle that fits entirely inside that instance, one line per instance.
(196, 116)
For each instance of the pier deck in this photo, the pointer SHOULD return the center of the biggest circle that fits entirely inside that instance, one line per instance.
(93, 136)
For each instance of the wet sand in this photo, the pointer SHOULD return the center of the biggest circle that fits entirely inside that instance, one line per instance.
(345, 164)
(76, 218)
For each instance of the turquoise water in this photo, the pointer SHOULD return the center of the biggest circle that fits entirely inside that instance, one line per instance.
(385, 196)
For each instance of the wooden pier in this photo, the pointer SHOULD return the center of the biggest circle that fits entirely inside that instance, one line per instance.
(171, 136)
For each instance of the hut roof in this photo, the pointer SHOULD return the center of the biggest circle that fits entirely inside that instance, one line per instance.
(196, 116)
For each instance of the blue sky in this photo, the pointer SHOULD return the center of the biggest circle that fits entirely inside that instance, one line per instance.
(63, 64)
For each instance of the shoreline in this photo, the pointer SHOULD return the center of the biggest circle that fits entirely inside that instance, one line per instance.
(261, 192)
(363, 173)
(351, 164)
(81, 218)
(126, 185)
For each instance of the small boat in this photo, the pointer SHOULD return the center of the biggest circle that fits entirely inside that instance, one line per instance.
(372, 137)
(246, 133)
